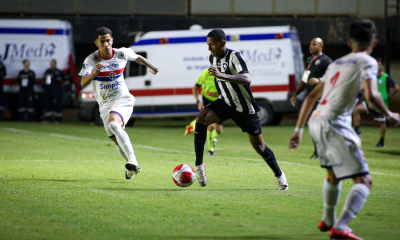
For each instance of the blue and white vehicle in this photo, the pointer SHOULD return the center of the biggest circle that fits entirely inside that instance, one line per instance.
(37, 40)
(273, 56)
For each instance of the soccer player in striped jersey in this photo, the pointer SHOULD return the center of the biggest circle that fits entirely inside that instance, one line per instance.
(236, 102)
(105, 70)
(338, 145)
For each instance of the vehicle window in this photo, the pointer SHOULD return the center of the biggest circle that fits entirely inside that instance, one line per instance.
(136, 69)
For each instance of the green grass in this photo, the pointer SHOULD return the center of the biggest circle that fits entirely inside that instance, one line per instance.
(67, 182)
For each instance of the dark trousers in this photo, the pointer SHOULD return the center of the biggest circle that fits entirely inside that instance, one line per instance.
(26, 107)
(52, 100)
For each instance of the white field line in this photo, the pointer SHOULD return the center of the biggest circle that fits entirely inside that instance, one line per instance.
(156, 148)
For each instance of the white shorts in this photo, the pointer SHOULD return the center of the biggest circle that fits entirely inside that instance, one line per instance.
(338, 147)
(123, 107)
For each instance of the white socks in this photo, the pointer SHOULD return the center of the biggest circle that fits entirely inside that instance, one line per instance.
(123, 141)
(330, 193)
(354, 202)
(121, 152)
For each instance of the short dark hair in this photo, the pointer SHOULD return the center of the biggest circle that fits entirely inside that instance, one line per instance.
(102, 31)
(54, 60)
(218, 34)
(25, 60)
(362, 32)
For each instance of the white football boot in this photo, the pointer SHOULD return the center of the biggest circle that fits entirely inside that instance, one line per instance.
(201, 174)
(282, 182)
(132, 168)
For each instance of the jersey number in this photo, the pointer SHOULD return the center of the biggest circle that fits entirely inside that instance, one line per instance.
(333, 82)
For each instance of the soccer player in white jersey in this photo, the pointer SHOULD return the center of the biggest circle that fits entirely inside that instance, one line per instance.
(338, 145)
(105, 70)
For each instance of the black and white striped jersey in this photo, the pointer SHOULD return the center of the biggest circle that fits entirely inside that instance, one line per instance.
(237, 96)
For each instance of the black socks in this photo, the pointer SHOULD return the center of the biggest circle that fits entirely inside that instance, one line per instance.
(269, 158)
(200, 137)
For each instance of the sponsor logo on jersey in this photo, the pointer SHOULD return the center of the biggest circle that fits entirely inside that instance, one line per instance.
(111, 86)
(317, 62)
(116, 93)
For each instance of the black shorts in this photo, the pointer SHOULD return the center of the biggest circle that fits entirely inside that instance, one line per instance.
(207, 102)
(379, 117)
(249, 123)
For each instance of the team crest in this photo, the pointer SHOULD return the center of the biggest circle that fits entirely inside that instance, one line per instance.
(380, 82)
(225, 66)
(84, 65)
(112, 75)
(317, 62)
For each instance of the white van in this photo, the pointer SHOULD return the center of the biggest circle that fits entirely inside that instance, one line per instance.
(39, 41)
(36, 40)
(273, 56)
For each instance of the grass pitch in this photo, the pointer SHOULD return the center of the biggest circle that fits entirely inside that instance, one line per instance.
(67, 182)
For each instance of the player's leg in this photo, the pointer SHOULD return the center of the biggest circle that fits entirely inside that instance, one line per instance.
(360, 108)
(331, 193)
(115, 125)
(381, 142)
(217, 131)
(205, 118)
(354, 202)
(269, 157)
(210, 130)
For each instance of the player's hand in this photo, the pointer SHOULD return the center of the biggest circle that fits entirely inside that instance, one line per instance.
(370, 106)
(293, 100)
(213, 71)
(154, 71)
(98, 68)
(313, 81)
(200, 106)
(395, 117)
(294, 141)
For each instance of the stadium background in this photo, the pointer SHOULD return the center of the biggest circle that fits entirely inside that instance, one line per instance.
(326, 19)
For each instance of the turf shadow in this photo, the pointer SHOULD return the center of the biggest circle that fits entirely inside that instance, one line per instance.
(389, 152)
(181, 189)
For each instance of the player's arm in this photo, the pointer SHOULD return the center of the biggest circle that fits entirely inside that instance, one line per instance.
(147, 63)
(373, 96)
(299, 89)
(87, 79)
(305, 111)
(195, 91)
(393, 85)
(241, 78)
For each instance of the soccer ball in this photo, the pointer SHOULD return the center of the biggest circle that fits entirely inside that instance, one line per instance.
(183, 175)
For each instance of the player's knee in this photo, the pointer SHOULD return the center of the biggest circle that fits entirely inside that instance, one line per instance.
(259, 148)
(202, 119)
(331, 178)
(114, 126)
(365, 179)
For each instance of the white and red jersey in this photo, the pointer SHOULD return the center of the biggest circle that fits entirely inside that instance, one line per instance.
(109, 84)
(343, 84)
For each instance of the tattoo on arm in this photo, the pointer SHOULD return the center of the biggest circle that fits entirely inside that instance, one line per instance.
(147, 63)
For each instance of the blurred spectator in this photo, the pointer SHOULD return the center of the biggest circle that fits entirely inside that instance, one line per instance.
(387, 88)
(3, 73)
(53, 92)
(26, 79)
(317, 65)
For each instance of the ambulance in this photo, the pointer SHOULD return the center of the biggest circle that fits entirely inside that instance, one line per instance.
(39, 41)
(273, 56)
